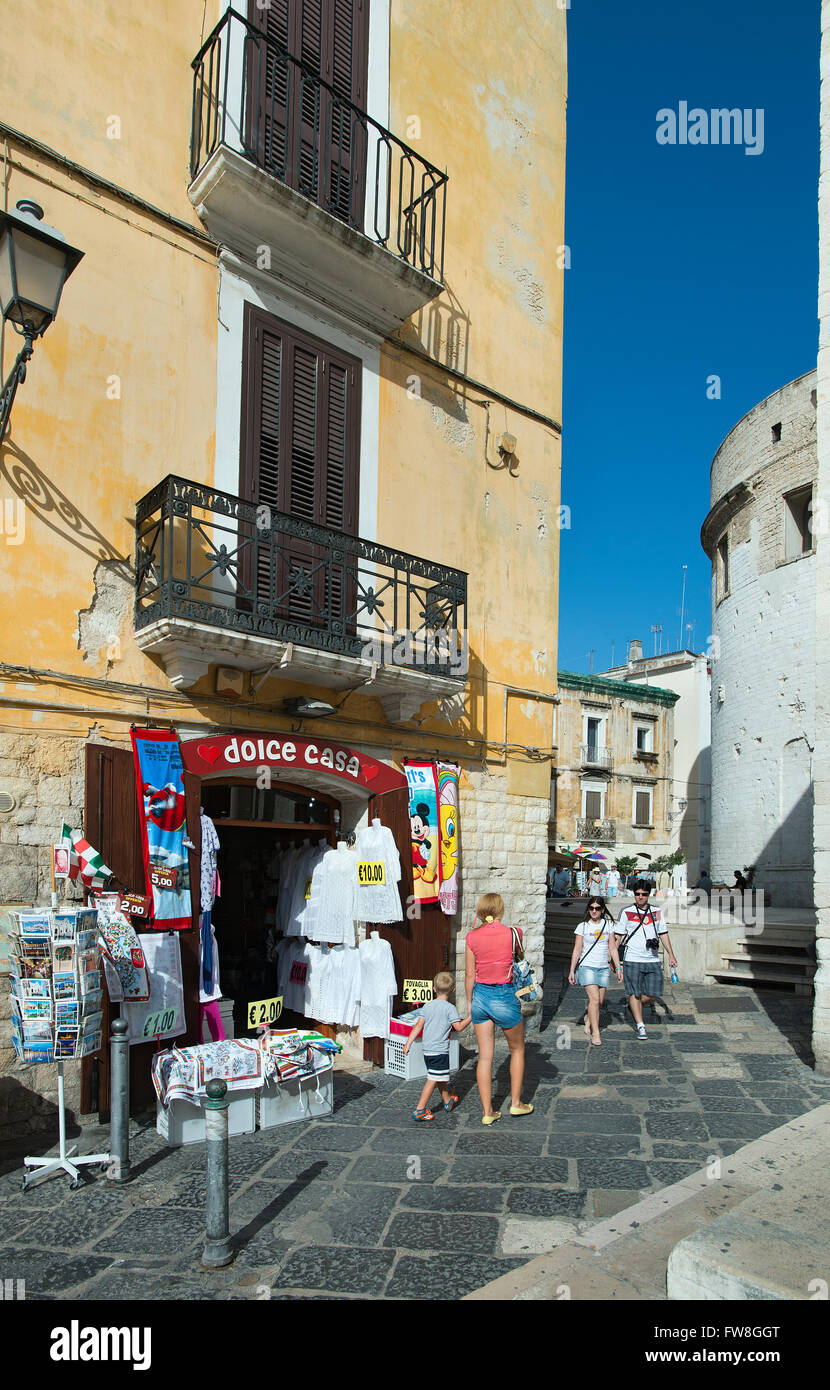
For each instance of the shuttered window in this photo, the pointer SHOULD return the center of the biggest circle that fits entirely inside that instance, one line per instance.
(642, 808)
(299, 455)
(593, 805)
(295, 127)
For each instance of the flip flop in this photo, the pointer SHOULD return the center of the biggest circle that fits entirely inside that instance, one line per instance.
(422, 1115)
(450, 1104)
(491, 1119)
(521, 1109)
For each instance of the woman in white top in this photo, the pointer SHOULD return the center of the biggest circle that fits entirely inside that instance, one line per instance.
(593, 945)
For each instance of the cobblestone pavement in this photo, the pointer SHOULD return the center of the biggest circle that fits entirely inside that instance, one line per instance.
(368, 1204)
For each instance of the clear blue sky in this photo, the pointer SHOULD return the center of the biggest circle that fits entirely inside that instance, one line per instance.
(687, 261)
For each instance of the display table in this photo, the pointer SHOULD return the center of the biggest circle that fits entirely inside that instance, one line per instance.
(279, 1078)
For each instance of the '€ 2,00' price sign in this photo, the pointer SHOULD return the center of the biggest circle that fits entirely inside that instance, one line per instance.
(264, 1011)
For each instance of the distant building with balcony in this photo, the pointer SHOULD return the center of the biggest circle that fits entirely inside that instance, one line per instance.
(689, 675)
(292, 448)
(612, 783)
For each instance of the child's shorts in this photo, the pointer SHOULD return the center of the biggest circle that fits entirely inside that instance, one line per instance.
(438, 1067)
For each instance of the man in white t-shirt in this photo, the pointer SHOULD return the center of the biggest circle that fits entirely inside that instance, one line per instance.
(645, 928)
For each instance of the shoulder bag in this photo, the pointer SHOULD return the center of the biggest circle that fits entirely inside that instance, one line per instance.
(528, 990)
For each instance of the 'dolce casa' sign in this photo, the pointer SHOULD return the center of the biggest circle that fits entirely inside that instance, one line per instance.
(231, 753)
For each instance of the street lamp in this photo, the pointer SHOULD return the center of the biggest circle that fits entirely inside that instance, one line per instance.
(35, 263)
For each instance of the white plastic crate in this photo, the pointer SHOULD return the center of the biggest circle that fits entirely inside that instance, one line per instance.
(411, 1064)
(183, 1123)
(301, 1098)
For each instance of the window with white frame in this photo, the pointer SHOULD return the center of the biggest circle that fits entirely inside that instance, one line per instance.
(644, 738)
(642, 809)
(593, 800)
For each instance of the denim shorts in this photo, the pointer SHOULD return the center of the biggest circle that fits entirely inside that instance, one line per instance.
(496, 1004)
(593, 975)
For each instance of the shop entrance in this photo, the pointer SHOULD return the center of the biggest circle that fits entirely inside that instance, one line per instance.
(255, 827)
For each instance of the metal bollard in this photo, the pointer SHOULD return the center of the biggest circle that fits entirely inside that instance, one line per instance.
(119, 1165)
(217, 1251)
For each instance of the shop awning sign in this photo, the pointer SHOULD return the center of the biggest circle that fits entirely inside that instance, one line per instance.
(236, 753)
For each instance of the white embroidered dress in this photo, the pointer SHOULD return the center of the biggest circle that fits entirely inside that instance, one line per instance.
(379, 902)
(333, 894)
(377, 986)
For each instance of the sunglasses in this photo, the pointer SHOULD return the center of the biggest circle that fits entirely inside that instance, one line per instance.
(595, 907)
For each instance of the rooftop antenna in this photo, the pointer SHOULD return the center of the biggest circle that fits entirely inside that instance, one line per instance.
(655, 629)
(591, 661)
(612, 656)
(682, 607)
(690, 628)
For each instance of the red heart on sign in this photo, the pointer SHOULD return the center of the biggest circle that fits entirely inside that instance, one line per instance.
(370, 770)
(210, 755)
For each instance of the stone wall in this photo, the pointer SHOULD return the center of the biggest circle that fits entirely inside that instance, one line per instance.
(503, 849)
(45, 775)
(763, 656)
(821, 823)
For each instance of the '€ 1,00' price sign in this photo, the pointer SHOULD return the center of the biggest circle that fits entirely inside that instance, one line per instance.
(264, 1011)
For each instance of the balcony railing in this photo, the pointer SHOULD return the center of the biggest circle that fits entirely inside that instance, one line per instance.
(253, 96)
(593, 756)
(596, 832)
(207, 557)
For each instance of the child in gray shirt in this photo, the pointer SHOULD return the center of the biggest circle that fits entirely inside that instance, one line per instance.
(438, 1019)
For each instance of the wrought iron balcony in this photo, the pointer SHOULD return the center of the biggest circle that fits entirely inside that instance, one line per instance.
(591, 755)
(596, 832)
(223, 581)
(267, 131)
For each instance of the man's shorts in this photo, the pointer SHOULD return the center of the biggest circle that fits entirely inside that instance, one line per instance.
(438, 1067)
(496, 1004)
(643, 978)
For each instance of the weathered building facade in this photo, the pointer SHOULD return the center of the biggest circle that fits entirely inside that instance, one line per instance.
(297, 401)
(613, 781)
(688, 674)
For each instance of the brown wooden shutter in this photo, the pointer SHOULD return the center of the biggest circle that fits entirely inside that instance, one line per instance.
(593, 805)
(642, 817)
(300, 455)
(294, 128)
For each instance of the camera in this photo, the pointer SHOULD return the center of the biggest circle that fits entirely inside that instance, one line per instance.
(652, 943)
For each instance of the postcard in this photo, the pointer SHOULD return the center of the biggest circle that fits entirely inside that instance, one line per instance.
(36, 1008)
(89, 1044)
(66, 1012)
(66, 1042)
(35, 989)
(87, 939)
(65, 986)
(63, 955)
(33, 923)
(90, 981)
(37, 1029)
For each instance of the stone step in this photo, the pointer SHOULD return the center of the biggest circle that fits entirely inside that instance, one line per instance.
(801, 984)
(626, 1257)
(787, 963)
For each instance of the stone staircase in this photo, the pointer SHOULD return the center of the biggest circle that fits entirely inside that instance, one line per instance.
(783, 955)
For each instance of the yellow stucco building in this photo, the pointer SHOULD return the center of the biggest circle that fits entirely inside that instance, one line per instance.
(293, 436)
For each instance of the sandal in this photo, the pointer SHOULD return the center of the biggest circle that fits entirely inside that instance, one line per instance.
(450, 1104)
(491, 1119)
(422, 1115)
(597, 1042)
(521, 1109)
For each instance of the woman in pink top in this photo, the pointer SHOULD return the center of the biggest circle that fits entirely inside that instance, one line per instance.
(491, 998)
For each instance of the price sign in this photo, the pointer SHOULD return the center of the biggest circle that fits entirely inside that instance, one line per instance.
(307, 889)
(370, 872)
(161, 1022)
(163, 878)
(417, 991)
(264, 1011)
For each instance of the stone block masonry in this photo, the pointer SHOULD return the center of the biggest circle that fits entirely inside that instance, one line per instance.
(44, 773)
(503, 849)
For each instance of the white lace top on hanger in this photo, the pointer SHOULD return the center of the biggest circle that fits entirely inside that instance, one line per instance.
(377, 986)
(379, 902)
(333, 893)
